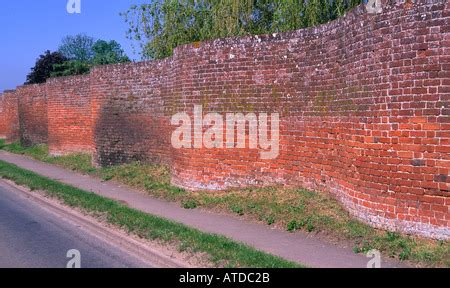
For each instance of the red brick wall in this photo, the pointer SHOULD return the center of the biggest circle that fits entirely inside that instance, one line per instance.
(10, 116)
(2, 119)
(32, 114)
(363, 103)
(129, 103)
(69, 115)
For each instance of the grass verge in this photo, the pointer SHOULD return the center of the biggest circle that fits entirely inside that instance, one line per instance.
(222, 251)
(286, 208)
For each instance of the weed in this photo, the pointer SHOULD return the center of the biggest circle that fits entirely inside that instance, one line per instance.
(237, 209)
(190, 204)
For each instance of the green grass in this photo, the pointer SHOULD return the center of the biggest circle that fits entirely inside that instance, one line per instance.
(76, 162)
(221, 250)
(189, 204)
(290, 209)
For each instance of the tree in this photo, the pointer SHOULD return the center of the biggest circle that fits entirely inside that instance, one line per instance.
(84, 52)
(76, 55)
(44, 67)
(165, 24)
(108, 53)
(69, 68)
(162, 25)
(78, 47)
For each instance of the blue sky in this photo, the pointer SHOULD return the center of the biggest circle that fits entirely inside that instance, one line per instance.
(29, 27)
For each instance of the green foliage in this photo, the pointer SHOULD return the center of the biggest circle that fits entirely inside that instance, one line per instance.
(189, 204)
(162, 25)
(237, 209)
(108, 53)
(85, 52)
(77, 48)
(68, 68)
(288, 15)
(43, 68)
(270, 220)
(76, 55)
(292, 226)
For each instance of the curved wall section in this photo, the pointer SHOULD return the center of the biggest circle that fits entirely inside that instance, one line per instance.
(363, 104)
(364, 113)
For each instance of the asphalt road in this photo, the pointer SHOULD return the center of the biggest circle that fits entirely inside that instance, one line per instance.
(32, 237)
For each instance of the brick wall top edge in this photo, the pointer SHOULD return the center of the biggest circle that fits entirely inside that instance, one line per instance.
(9, 91)
(316, 31)
(29, 86)
(125, 66)
(301, 33)
(67, 79)
(359, 10)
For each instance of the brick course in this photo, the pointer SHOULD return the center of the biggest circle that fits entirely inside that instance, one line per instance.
(9, 116)
(128, 112)
(363, 103)
(69, 115)
(2, 119)
(32, 114)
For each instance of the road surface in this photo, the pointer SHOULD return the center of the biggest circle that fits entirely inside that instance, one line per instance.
(32, 237)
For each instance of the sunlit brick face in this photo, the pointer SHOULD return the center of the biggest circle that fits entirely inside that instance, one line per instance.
(363, 105)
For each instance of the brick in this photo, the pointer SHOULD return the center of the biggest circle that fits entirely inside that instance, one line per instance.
(370, 128)
(32, 107)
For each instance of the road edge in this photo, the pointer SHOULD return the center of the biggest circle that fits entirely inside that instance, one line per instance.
(137, 249)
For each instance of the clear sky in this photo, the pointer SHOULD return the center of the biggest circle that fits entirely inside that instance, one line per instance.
(29, 27)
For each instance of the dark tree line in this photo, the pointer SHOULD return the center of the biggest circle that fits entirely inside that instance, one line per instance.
(75, 56)
(162, 25)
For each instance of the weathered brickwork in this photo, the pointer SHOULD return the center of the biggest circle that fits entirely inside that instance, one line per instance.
(365, 113)
(32, 114)
(9, 116)
(69, 115)
(363, 103)
(2, 119)
(128, 104)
